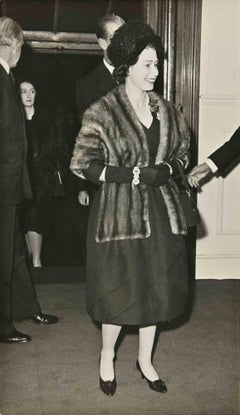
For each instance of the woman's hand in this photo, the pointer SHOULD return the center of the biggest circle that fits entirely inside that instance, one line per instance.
(155, 176)
(119, 174)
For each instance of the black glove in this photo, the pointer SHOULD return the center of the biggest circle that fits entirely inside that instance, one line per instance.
(93, 172)
(112, 175)
(119, 174)
(155, 176)
(175, 169)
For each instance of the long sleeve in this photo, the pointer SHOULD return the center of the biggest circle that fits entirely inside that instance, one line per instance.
(225, 155)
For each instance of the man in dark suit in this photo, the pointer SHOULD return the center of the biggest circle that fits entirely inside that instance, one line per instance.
(218, 161)
(18, 300)
(97, 83)
(100, 81)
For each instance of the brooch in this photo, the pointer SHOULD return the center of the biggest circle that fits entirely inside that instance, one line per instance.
(154, 107)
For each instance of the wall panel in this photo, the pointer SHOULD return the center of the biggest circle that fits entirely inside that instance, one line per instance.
(218, 243)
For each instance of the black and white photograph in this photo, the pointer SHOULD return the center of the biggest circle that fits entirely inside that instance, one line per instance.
(119, 207)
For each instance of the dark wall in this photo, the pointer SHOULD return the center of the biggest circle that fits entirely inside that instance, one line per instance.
(55, 76)
(67, 15)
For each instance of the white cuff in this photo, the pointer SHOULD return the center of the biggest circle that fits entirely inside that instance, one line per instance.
(182, 162)
(170, 168)
(102, 177)
(79, 174)
(212, 165)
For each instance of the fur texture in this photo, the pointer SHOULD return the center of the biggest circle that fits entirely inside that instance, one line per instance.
(112, 133)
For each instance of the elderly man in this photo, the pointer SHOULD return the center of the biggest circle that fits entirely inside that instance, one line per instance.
(18, 300)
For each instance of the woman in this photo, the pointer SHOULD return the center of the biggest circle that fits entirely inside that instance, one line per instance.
(136, 261)
(47, 163)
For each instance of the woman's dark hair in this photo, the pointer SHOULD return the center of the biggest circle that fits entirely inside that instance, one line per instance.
(27, 79)
(30, 80)
(127, 44)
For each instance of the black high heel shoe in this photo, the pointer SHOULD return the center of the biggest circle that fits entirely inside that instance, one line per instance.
(157, 385)
(108, 386)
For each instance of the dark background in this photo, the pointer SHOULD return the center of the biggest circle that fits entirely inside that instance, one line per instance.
(55, 73)
(72, 15)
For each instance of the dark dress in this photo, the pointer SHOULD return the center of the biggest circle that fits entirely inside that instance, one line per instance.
(141, 281)
(45, 156)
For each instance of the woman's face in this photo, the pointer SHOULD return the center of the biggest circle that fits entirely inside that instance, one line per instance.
(28, 94)
(143, 74)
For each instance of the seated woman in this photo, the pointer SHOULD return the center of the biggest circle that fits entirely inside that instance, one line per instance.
(136, 260)
(47, 159)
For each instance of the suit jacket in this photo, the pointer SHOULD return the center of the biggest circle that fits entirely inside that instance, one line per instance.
(88, 90)
(14, 179)
(93, 87)
(225, 155)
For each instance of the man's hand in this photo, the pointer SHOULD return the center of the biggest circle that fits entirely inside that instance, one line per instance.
(198, 173)
(83, 198)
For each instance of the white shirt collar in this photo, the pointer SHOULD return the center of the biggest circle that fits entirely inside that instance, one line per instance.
(4, 65)
(108, 66)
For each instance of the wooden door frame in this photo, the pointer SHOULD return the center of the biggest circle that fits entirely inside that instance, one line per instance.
(178, 22)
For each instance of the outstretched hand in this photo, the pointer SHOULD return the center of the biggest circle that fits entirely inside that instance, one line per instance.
(198, 173)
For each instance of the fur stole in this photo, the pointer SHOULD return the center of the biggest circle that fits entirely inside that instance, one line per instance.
(112, 133)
